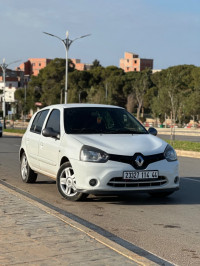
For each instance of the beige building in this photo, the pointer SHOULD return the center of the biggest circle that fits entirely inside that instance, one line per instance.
(132, 62)
(33, 66)
(80, 66)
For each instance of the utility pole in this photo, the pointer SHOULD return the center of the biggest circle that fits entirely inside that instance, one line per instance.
(67, 43)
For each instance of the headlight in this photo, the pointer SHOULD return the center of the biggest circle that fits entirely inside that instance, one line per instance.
(90, 154)
(170, 154)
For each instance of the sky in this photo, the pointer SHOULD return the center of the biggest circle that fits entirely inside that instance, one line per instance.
(167, 31)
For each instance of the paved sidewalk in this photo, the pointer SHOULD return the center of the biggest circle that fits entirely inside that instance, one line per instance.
(30, 235)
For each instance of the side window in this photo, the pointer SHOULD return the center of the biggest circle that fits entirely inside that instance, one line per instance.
(109, 121)
(37, 124)
(54, 121)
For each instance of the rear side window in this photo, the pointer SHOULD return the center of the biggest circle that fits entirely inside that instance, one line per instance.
(54, 121)
(38, 121)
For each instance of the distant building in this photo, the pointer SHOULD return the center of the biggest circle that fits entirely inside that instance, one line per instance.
(80, 66)
(156, 70)
(132, 62)
(33, 66)
(12, 82)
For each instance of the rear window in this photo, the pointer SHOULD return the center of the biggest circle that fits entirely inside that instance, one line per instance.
(38, 121)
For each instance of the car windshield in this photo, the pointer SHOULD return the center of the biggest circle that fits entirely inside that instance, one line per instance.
(103, 120)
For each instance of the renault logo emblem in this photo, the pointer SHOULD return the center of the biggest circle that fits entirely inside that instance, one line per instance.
(139, 160)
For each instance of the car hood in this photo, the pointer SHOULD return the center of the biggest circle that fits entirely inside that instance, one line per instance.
(125, 144)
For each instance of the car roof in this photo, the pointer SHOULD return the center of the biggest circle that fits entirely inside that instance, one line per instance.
(75, 105)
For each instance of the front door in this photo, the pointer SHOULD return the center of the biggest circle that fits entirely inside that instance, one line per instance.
(49, 146)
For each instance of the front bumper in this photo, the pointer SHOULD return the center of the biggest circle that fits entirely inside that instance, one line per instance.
(105, 172)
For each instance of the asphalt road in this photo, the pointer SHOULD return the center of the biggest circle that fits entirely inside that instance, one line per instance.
(169, 228)
(180, 137)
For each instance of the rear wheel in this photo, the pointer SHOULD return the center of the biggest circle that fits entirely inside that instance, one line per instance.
(66, 183)
(27, 174)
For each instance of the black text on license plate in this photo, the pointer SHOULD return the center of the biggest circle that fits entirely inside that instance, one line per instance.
(141, 175)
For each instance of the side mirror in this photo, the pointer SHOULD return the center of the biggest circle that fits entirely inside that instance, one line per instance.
(49, 132)
(153, 131)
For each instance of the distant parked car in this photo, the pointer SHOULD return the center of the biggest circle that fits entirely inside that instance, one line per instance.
(1, 129)
(97, 149)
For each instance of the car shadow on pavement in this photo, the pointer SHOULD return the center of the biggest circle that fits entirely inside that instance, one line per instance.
(44, 182)
(187, 194)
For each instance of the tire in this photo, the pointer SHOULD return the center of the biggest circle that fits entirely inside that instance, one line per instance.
(160, 194)
(66, 183)
(27, 174)
(0, 135)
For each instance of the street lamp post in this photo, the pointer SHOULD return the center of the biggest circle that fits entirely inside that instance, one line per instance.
(67, 42)
(4, 66)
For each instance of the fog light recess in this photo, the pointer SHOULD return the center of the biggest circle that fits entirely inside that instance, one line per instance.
(176, 179)
(93, 182)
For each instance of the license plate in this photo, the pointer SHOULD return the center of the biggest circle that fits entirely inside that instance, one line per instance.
(135, 175)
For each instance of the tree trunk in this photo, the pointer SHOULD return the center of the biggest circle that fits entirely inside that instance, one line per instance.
(130, 103)
(139, 110)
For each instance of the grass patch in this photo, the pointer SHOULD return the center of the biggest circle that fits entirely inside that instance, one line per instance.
(184, 145)
(15, 130)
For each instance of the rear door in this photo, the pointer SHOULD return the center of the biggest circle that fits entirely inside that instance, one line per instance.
(33, 138)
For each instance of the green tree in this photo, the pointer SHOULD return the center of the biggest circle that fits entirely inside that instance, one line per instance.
(95, 63)
(192, 106)
(50, 82)
(137, 85)
(174, 86)
(79, 84)
(106, 86)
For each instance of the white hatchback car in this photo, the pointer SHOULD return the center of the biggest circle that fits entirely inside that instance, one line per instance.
(97, 149)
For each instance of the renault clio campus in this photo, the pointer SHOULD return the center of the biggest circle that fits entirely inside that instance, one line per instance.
(97, 149)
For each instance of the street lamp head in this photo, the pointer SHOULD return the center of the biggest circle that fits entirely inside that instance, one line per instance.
(67, 34)
(48, 33)
(52, 35)
(85, 35)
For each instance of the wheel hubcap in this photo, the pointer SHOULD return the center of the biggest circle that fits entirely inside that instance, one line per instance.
(68, 182)
(24, 168)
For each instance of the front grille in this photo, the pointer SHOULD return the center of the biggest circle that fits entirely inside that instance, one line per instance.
(120, 182)
(148, 159)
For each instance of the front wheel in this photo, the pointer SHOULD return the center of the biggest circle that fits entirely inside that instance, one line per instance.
(27, 174)
(66, 183)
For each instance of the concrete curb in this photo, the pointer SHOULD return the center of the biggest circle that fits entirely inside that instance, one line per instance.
(191, 154)
(12, 134)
